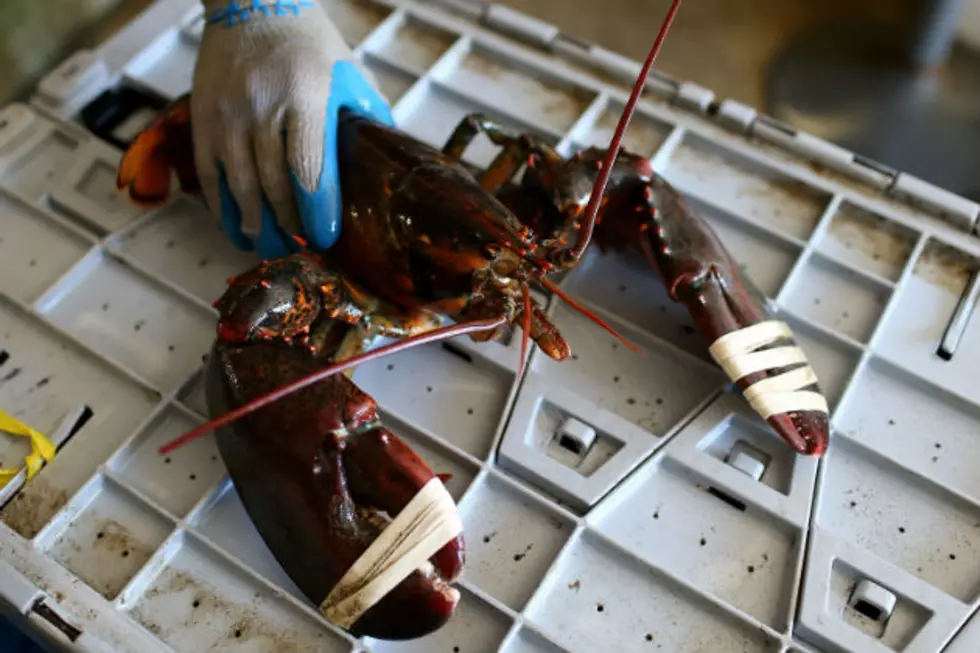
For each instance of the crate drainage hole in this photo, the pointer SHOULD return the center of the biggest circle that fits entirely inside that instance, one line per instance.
(573, 445)
(868, 610)
(730, 500)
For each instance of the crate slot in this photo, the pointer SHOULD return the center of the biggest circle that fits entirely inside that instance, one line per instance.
(432, 112)
(475, 626)
(184, 244)
(627, 286)
(392, 82)
(225, 522)
(355, 19)
(456, 400)
(928, 431)
(909, 522)
(672, 518)
(34, 250)
(411, 43)
(599, 599)
(44, 380)
(89, 191)
(765, 259)
(178, 479)
(119, 114)
(35, 173)
(511, 540)
(722, 441)
(198, 601)
(653, 391)
(546, 433)
(914, 330)
(868, 241)
(749, 189)
(896, 629)
(837, 298)
(644, 135)
(521, 90)
(106, 538)
(116, 312)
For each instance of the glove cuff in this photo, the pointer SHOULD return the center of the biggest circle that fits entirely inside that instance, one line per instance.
(234, 12)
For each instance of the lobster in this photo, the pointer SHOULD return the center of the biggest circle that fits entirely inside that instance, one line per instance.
(423, 241)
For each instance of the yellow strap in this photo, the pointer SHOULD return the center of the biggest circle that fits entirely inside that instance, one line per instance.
(42, 449)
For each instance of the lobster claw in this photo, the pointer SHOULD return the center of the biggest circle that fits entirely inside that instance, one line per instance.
(757, 352)
(322, 481)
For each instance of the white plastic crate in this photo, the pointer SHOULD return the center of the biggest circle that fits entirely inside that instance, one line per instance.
(686, 525)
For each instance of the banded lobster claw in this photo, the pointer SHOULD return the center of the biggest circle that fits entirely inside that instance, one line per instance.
(755, 350)
(332, 492)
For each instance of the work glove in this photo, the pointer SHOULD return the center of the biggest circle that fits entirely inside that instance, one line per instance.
(269, 83)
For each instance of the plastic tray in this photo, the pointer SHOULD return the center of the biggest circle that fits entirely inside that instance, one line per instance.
(657, 538)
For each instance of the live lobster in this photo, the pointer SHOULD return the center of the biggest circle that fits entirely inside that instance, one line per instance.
(451, 249)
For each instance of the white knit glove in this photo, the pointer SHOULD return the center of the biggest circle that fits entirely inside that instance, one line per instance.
(269, 82)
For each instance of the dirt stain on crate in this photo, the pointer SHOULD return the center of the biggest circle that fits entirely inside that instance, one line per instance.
(881, 239)
(33, 506)
(105, 555)
(229, 625)
(554, 103)
(419, 44)
(767, 195)
(945, 267)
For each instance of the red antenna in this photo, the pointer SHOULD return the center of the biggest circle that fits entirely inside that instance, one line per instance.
(592, 210)
(437, 335)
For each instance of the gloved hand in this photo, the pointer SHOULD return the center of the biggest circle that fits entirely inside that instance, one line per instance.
(270, 80)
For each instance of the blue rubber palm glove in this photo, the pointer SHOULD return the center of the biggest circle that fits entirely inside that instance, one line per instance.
(270, 81)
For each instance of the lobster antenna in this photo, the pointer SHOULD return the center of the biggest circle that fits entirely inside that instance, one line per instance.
(436, 335)
(592, 210)
(550, 285)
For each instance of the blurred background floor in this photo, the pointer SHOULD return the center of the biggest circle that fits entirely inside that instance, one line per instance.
(725, 45)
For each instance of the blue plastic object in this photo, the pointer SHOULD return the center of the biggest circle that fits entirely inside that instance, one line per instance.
(320, 211)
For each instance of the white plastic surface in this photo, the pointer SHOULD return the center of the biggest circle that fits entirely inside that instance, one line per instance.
(686, 525)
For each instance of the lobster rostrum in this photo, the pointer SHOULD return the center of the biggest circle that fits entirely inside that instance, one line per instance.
(422, 242)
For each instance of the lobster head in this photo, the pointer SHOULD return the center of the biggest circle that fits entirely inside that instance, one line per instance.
(552, 199)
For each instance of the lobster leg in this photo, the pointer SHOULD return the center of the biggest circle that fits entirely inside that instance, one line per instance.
(516, 149)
